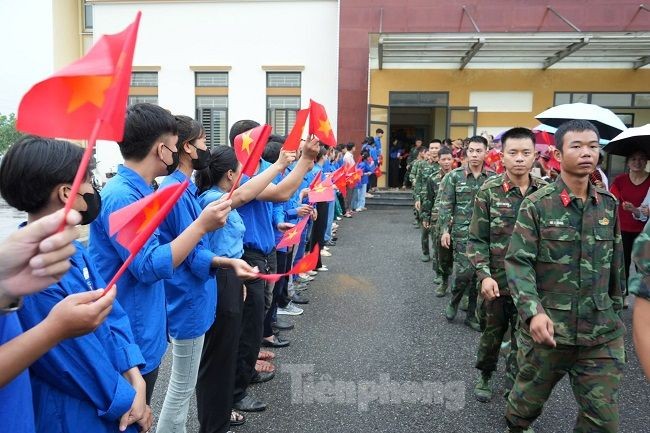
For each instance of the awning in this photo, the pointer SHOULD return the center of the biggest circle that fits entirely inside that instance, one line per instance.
(538, 50)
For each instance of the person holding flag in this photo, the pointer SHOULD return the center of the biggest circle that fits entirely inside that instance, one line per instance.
(149, 150)
(88, 382)
(191, 293)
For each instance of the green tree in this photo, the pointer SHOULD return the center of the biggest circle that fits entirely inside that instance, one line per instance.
(8, 132)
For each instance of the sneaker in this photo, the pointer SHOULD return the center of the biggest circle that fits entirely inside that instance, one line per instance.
(425, 258)
(325, 253)
(339, 218)
(325, 248)
(304, 278)
(290, 310)
(322, 269)
(335, 226)
(483, 388)
(312, 273)
(368, 195)
(358, 209)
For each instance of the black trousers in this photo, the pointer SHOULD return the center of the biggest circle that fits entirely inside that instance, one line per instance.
(150, 382)
(318, 231)
(216, 380)
(252, 324)
(282, 266)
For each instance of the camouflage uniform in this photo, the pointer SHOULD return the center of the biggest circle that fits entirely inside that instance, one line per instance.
(640, 282)
(495, 211)
(457, 192)
(410, 159)
(565, 259)
(415, 167)
(425, 171)
(441, 257)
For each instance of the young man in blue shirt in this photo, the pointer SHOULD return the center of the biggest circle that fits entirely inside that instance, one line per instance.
(149, 150)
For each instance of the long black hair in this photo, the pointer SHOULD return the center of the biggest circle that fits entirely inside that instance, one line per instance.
(222, 159)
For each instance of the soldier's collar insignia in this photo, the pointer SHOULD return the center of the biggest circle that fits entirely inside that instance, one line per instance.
(503, 204)
(564, 196)
(604, 221)
(506, 186)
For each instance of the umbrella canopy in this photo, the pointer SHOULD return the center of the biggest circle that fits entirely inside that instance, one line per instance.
(607, 123)
(551, 130)
(630, 140)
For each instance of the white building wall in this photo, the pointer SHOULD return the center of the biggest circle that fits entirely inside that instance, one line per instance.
(26, 30)
(244, 35)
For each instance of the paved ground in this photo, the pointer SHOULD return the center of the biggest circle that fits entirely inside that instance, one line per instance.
(384, 359)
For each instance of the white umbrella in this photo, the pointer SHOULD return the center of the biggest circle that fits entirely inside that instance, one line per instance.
(630, 140)
(551, 130)
(607, 123)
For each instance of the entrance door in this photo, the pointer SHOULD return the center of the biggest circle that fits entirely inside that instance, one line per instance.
(461, 122)
(379, 118)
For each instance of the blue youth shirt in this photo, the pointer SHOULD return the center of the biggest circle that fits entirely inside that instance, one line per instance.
(228, 241)
(141, 291)
(192, 291)
(258, 220)
(78, 385)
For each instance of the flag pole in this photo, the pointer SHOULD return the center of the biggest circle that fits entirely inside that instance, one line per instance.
(81, 172)
(234, 185)
(118, 274)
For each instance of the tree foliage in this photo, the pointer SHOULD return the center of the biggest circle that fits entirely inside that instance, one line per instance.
(8, 132)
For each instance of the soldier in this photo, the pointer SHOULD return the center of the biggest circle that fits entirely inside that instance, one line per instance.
(640, 286)
(495, 211)
(457, 192)
(427, 168)
(564, 267)
(415, 168)
(410, 159)
(442, 258)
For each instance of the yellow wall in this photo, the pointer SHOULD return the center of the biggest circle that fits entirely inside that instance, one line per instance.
(66, 37)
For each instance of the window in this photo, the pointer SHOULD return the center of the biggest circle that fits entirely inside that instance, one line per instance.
(211, 79)
(418, 99)
(562, 98)
(88, 17)
(283, 79)
(139, 99)
(604, 99)
(612, 99)
(212, 112)
(281, 113)
(144, 79)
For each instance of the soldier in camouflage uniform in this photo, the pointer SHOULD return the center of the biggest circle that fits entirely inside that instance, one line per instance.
(640, 287)
(495, 211)
(415, 168)
(442, 257)
(564, 267)
(457, 192)
(426, 169)
(410, 159)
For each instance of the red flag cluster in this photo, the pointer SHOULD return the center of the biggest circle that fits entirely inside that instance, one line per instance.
(292, 236)
(493, 160)
(249, 147)
(306, 264)
(319, 125)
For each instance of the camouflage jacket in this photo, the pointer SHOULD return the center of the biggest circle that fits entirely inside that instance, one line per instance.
(429, 206)
(413, 155)
(640, 282)
(495, 212)
(457, 192)
(425, 170)
(565, 259)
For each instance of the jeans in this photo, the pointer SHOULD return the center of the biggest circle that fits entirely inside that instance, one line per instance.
(330, 220)
(185, 369)
(361, 197)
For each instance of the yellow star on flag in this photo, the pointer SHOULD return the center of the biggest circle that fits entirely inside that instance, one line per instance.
(88, 89)
(149, 212)
(292, 234)
(324, 127)
(319, 188)
(246, 142)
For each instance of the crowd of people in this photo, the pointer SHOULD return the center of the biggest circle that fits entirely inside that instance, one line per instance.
(76, 358)
(539, 260)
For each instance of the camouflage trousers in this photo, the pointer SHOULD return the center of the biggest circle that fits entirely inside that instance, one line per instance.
(496, 317)
(424, 239)
(465, 276)
(594, 372)
(443, 258)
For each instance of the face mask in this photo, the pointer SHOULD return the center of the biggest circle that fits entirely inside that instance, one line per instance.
(202, 160)
(175, 158)
(93, 206)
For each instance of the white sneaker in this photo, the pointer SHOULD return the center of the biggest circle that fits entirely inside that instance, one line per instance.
(325, 253)
(290, 310)
(312, 273)
(325, 249)
(358, 210)
(335, 226)
(306, 277)
(322, 269)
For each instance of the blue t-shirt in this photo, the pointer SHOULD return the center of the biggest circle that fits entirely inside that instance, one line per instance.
(228, 241)
(258, 220)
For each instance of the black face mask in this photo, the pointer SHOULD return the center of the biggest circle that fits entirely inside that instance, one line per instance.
(175, 158)
(202, 160)
(93, 206)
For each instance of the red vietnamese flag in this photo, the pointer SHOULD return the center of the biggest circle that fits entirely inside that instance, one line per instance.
(135, 223)
(292, 236)
(338, 173)
(319, 124)
(249, 147)
(324, 191)
(378, 172)
(306, 264)
(293, 139)
(70, 102)
(316, 180)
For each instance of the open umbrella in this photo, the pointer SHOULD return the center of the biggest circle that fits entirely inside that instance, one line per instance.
(630, 140)
(608, 123)
(551, 130)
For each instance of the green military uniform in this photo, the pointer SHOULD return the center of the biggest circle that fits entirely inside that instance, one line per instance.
(410, 159)
(640, 282)
(495, 211)
(565, 260)
(457, 192)
(425, 171)
(415, 167)
(442, 257)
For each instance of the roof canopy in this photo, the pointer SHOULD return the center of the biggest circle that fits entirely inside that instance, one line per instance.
(510, 50)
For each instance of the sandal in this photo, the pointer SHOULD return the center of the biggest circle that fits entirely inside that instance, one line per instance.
(264, 366)
(266, 355)
(236, 418)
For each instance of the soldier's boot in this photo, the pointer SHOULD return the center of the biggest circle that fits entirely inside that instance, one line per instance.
(425, 258)
(473, 324)
(441, 290)
(451, 311)
(464, 303)
(437, 280)
(483, 388)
